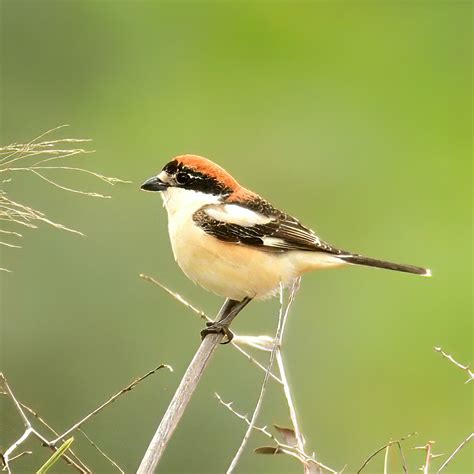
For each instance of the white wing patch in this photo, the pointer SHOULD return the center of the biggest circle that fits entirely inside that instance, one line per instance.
(274, 242)
(278, 232)
(235, 214)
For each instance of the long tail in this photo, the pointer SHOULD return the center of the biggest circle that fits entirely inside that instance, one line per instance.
(372, 262)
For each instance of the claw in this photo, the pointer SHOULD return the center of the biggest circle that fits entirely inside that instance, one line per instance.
(228, 334)
(216, 328)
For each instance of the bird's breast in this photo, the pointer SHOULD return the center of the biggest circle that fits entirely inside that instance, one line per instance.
(226, 269)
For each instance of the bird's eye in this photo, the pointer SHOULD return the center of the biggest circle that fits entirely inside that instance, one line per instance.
(182, 178)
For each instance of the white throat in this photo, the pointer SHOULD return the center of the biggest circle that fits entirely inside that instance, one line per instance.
(179, 200)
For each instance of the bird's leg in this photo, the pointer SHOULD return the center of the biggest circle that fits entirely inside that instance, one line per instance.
(230, 309)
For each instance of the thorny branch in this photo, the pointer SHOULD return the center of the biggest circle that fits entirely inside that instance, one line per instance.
(236, 342)
(7, 457)
(280, 447)
(397, 442)
(52, 430)
(299, 438)
(112, 399)
(466, 368)
(456, 451)
(428, 456)
(265, 343)
(294, 445)
(101, 451)
(13, 212)
(276, 343)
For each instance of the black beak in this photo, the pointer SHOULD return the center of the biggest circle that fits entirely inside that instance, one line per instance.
(154, 184)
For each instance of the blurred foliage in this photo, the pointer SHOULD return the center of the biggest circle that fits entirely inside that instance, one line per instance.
(354, 116)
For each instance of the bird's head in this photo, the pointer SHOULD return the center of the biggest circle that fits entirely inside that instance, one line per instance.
(194, 173)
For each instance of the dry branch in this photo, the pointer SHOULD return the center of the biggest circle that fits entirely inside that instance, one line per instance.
(236, 342)
(282, 318)
(279, 447)
(455, 452)
(183, 393)
(7, 457)
(178, 404)
(264, 343)
(110, 400)
(428, 456)
(294, 440)
(398, 442)
(451, 359)
(16, 158)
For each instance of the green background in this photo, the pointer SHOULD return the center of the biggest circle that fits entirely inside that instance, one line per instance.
(354, 116)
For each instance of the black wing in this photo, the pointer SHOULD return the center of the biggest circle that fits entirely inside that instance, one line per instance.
(273, 230)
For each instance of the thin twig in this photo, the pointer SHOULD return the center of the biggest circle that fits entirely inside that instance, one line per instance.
(466, 368)
(245, 418)
(78, 464)
(390, 443)
(456, 451)
(205, 317)
(255, 361)
(287, 390)
(50, 428)
(402, 456)
(176, 296)
(101, 451)
(16, 234)
(71, 190)
(263, 343)
(6, 455)
(293, 451)
(291, 406)
(29, 430)
(283, 314)
(16, 157)
(8, 391)
(13, 246)
(426, 467)
(428, 457)
(20, 455)
(385, 460)
(66, 457)
(107, 179)
(129, 387)
(179, 402)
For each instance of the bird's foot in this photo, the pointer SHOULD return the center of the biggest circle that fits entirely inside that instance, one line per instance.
(217, 328)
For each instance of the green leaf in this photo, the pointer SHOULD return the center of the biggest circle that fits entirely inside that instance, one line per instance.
(55, 457)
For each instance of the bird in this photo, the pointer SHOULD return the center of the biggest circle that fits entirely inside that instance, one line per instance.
(236, 244)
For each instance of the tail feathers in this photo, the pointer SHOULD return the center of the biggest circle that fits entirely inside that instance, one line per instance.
(372, 262)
